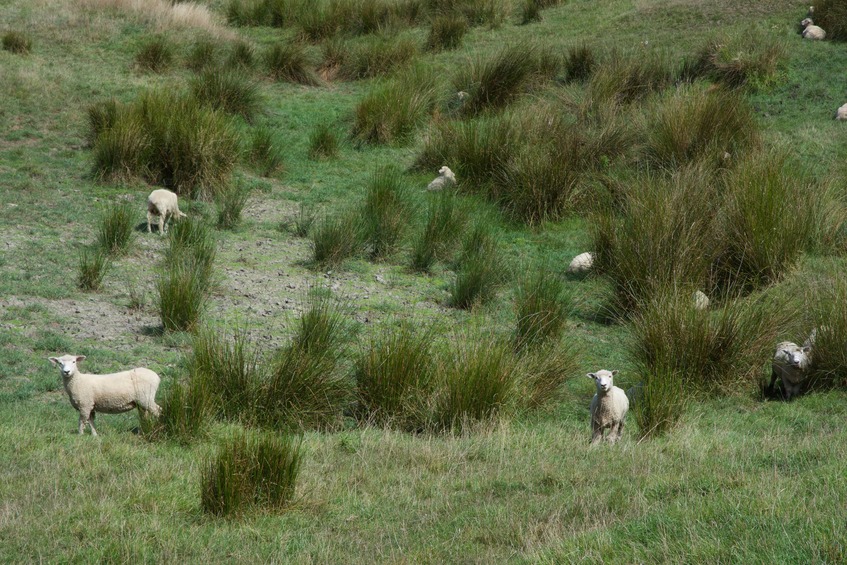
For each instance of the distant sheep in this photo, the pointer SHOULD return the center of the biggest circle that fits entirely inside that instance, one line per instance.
(791, 365)
(811, 31)
(110, 394)
(700, 300)
(162, 203)
(608, 407)
(444, 179)
(841, 113)
(581, 264)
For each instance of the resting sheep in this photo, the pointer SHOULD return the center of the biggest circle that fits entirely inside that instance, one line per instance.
(111, 394)
(581, 264)
(790, 364)
(608, 407)
(841, 113)
(162, 203)
(811, 31)
(700, 300)
(444, 179)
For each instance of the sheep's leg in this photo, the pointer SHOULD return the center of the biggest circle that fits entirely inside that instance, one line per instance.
(91, 423)
(614, 434)
(769, 390)
(86, 416)
(149, 221)
(596, 433)
(162, 224)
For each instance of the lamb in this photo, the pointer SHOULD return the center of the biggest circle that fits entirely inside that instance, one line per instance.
(841, 113)
(791, 365)
(608, 407)
(444, 179)
(162, 203)
(581, 264)
(111, 394)
(700, 300)
(811, 31)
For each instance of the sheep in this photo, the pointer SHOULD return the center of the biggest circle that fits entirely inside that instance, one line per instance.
(811, 31)
(444, 179)
(700, 300)
(608, 407)
(582, 263)
(111, 394)
(790, 364)
(841, 113)
(162, 203)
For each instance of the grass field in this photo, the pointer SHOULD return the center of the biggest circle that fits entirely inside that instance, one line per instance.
(332, 130)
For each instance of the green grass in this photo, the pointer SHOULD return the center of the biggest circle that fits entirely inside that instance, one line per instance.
(156, 55)
(230, 203)
(17, 42)
(114, 236)
(93, 265)
(231, 92)
(385, 212)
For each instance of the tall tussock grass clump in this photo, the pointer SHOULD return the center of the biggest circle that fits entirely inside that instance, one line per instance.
(306, 388)
(395, 378)
(446, 32)
(93, 264)
(721, 350)
(114, 234)
(242, 56)
(393, 110)
(542, 372)
(580, 62)
(265, 153)
(445, 223)
(626, 77)
(156, 55)
(660, 401)
(184, 284)
(377, 56)
(17, 42)
(478, 268)
(831, 15)
(251, 472)
(745, 60)
(232, 92)
(385, 212)
(494, 82)
(203, 55)
(541, 307)
(336, 238)
(167, 138)
(323, 142)
(187, 409)
(230, 203)
(193, 245)
(101, 116)
(691, 124)
(291, 62)
(478, 382)
(829, 355)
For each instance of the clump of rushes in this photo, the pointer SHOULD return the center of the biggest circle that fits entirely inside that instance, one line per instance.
(542, 372)
(187, 278)
(479, 381)
(395, 378)
(301, 224)
(446, 32)
(377, 56)
(290, 62)
(306, 389)
(251, 472)
(156, 55)
(264, 152)
(530, 12)
(580, 62)
(336, 238)
(187, 408)
(541, 306)
(445, 222)
(659, 401)
(242, 56)
(114, 234)
(748, 60)
(93, 264)
(203, 55)
(230, 204)
(17, 42)
(229, 91)
(829, 356)
(323, 142)
(101, 117)
(385, 212)
(626, 77)
(392, 111)
(319, 21)
(831, 15)
(478, 270)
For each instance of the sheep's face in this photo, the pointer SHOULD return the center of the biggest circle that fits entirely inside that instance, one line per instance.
(807, 22)
(796, 356)
(444, 171)
(67, 364)
(603, 379)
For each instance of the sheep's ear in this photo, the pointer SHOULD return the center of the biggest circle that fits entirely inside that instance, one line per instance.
(54, 360)
(80, 358)
(615, 372)
(591, 376)
(807, 349)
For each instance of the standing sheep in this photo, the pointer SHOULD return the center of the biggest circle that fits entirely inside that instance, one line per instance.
(790, 364)
(444, 179)
(111, 394)
(162, 203)
(608, 407)
(811, 31)
(581, 264)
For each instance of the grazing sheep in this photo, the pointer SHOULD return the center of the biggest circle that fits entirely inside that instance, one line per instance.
(811, 31)
(444, 179)
(111, 394)
(582, 263)
(162, 203)
(608, 407)
(841, 113)
(700, 300)
(790, 363)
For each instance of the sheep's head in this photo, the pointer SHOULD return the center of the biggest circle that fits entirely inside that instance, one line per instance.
(67, 364)
(180, 214)
(603, 379)
(807, 22)
(796, 356)
(445, 171)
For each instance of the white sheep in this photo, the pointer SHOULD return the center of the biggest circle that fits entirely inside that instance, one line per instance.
(790, 364)
(841, 113)
(444, 179)
(608, 407)
(162, 203)
(700, 300)
(110, 394)
(811, 31)
(582, 263)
